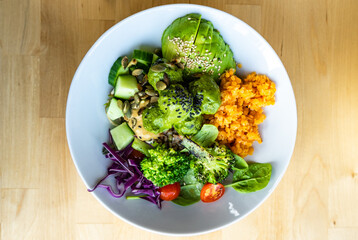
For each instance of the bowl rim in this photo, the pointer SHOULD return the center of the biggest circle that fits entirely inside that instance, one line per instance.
(118, 25)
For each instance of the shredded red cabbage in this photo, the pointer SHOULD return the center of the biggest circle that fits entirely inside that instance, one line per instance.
(127, 175)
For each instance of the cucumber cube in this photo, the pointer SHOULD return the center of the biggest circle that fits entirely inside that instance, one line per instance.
(113, 111)
(126, 86)
(122, 135)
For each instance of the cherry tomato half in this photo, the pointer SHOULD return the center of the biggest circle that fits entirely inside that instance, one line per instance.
(212, 192)
(169, 192)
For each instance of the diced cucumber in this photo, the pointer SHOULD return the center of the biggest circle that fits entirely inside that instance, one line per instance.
(122, 135)
(141, 146)
(143, 56)
(113, 111)
(126, 86)
(116, 70)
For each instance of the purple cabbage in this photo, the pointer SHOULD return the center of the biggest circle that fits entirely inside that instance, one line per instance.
(127, 175)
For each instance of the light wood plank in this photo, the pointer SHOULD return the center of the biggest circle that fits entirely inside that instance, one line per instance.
(20, 26)
(342, 68)
(19, 127)
(342, 233)
(97, 9)
(58, 199)
(89, 32)
(250, 14)
(127, 8)
(58, 63)
(21, 207)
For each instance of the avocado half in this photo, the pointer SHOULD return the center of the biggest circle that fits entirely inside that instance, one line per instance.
(194, 42)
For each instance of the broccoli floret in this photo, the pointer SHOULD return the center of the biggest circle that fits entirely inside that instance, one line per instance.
(211, 164)
(165, 166)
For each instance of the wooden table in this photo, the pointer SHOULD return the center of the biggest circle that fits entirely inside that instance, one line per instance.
(43, 41)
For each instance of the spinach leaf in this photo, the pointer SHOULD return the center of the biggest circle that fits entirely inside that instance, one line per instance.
(251, 179)
(239, 163)
(189, 194)
(189, 191)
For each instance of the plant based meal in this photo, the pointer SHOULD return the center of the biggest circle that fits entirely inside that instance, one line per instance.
(241, 110)
(182, 120)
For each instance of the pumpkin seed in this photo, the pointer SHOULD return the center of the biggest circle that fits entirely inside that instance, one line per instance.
(144, 80)
(134, 105)
(132, 63)
(154, 99)
(149, 87)
(180, 65)
(137, 72)
(126, 107)
(136, 98)
(144, 102)
(141, 94)
(140, 88)
(124, 62)
(161, 85)
(170, 65)
(139, 78)
(128, 114)
(166, 79)
(133, 122)
(151, 92)
(144, 97)
(158, 68)
(120, 104)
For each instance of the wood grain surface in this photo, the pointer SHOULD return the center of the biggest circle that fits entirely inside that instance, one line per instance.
(43, 41)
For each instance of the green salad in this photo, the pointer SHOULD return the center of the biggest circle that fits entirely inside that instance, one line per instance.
(161, 147)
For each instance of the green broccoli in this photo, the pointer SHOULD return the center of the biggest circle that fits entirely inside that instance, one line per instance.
(165, 166)
(211, 164)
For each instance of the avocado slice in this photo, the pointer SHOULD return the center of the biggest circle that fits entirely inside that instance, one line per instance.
(179, 37)
(155, 120)
(209, 92)
(223, 57)
(189, 126)
(198, 54)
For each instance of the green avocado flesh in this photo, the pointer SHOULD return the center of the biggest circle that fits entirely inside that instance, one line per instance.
(174, 74)
(194, 41)
(176, 102)
(155, 120)
(182, 109)
(207, 94)
(179, 37)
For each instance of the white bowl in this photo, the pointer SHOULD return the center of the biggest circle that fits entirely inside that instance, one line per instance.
(87, 125)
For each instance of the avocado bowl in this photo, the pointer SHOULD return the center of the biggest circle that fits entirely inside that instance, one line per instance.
(89, 90)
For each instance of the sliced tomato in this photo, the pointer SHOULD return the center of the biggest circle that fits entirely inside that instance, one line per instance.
(169, 192)
(212, 192)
